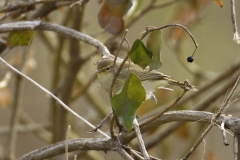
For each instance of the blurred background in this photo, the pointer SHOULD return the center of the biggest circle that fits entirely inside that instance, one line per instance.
(66, 67)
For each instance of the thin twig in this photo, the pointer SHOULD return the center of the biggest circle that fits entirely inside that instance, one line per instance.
(213, 121)
(225, 142)
(111, 88)
(144, 122)
(120, 45)
(16, 109)
(228, 72)
(140, 140)
(52, 95)
(112, 127)
(101, 123)
(150, 7)
(14, 118)
(16, 6)
(120, 67)
(140, 14)
(136, 153)
(23, 4)
(235, 146)
(124, 154)
(79, 3)
(114, 80)
(150, 29)
(204, 104)
(236, 37)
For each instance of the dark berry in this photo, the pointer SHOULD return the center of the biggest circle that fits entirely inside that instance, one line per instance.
(190, 59)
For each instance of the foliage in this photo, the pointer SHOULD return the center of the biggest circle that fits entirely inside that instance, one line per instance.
(126, 103)
(66, 68)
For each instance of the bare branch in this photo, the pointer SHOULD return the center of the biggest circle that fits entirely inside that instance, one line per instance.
(150, 29)
(235, 149)
(236, 37)
(230, 73)
(124, 154)
(52, 95)
(106, 144)
(225, 142)
(38, 25)
(144, 122)
(214, 119)
(140, 140)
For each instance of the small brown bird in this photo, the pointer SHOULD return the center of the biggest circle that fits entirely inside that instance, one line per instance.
(150, 80)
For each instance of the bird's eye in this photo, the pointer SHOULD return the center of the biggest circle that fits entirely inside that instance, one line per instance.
(108, 68)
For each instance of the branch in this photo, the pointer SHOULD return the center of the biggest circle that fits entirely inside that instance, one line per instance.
(39, 25)
(52, 95)
(16, 109)
(229, 75)
(140, 140)
(236, 37)
(144, 122)
(15, 6)
(213, 120)
(235, 149)
(105, 144)
(150, 29)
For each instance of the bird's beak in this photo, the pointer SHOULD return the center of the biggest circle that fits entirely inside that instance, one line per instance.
(98, 71)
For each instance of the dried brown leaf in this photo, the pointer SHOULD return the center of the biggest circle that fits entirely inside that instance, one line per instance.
(219, 3)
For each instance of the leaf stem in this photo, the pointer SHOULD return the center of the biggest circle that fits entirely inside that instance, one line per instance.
(150, 29)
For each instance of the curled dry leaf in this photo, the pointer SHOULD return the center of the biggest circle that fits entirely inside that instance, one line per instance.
(111, 14)
(219, 3)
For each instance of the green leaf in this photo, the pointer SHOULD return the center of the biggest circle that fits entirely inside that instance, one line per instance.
(154, 45)
(19, 38)
(139, 54)
(127, 102)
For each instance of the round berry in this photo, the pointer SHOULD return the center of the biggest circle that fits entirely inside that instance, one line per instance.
(190, 59)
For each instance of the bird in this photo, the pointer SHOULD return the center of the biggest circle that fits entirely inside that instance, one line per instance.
(151, 80)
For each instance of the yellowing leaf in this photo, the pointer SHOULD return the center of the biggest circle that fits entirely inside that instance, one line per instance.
(154, 45)
(139, 54)
(218, 2)
(19, 38)
(126, 103)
